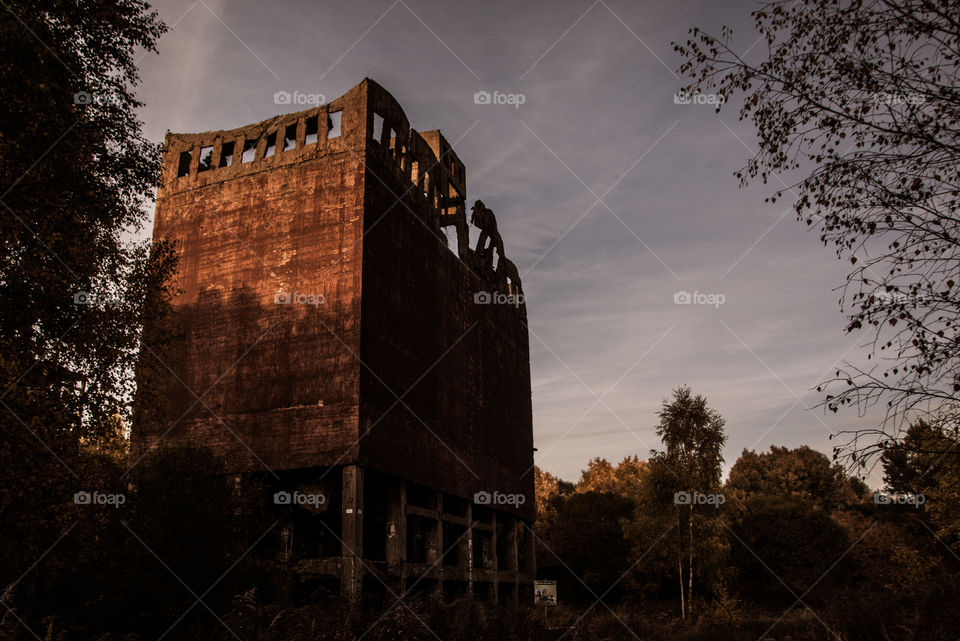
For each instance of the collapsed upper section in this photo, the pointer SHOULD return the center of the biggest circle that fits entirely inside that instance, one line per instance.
(365, 119)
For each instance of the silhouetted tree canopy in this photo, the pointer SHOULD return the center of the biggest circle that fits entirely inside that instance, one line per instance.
(77, 177)
(927, 463)
(862, 100)
(803, 474)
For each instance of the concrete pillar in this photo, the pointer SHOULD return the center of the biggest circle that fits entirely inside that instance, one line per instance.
(396, 552)
(514, 552)
(494, 589)
(510, 530)
(438, 542)
(530, 568)
(351, 531)
(466, 548)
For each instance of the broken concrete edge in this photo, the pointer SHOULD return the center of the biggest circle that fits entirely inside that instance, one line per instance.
(426, 160)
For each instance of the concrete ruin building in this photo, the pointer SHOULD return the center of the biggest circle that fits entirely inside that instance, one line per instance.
(342, 337)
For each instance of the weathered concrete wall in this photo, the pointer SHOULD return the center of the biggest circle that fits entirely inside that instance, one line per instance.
(274, 373)
(462, 369)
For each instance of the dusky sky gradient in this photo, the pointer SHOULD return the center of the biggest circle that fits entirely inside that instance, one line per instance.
(611, 198)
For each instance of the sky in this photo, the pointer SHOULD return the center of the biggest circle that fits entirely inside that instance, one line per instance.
(612, 199)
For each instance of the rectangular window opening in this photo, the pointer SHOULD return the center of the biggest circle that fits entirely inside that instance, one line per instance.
(454, 197)
(290, 137)
(183, 168)
(313, 130)
(226, 154)
(271, 145)
(333, 124)
(249, 149)
(206, 159)
(377, 127)
(450, 234)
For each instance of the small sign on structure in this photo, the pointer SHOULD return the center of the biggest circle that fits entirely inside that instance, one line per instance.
(544, 592)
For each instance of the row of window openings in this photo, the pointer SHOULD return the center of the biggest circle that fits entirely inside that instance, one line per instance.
(377, 135)
(289, 142)
(312, 135)
(378, 132)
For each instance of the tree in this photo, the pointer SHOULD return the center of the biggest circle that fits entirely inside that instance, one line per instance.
(863, 99)
(599, 476)
(784, 538)
(623, 479)
(550, 493)
(782, 526)
(927, 462)
(588, 541)
(908, 464)
(582, 526)
(547, 489)
(911, 579)
(689, 467)
(77, 175)
(199, 520)
(801, 474)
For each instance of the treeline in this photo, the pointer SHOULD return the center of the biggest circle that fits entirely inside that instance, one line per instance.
(788, 534)
(789, 545)
(131, 551)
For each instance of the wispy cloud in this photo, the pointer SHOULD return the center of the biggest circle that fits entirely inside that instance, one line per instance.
(597, 99)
